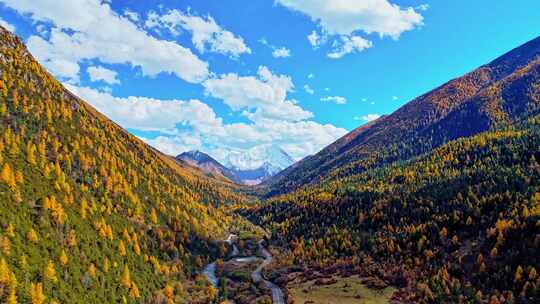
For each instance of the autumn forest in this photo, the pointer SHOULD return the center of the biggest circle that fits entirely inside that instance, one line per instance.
(438, 202)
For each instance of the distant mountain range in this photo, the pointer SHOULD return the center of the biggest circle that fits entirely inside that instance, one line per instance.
(440, 199)
(256, 157)
(497, 93)
(244, 168)
(206, 163)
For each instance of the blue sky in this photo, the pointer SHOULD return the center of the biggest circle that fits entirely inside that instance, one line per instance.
(231, 79)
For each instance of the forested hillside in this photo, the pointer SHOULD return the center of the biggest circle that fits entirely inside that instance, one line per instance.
(89, 213)
(500, 92)
(458, 225)
(440, 199)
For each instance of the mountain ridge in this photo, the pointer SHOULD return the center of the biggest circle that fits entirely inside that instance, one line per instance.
(206, 163)
(465, 212)
(430, 120)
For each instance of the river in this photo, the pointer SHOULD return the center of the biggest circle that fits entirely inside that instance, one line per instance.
(277, 294)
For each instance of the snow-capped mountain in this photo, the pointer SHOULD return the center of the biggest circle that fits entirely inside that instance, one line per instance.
(258, 164)
(254, 158)
(251, 167)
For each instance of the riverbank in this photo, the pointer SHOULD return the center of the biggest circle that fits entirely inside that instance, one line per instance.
(238, 275)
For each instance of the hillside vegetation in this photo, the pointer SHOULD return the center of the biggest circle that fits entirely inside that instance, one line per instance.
(497, 93)
(458, 225)
(89, 213)
(440, 198)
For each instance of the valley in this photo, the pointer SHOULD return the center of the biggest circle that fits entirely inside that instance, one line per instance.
(438, 202)
(230, 273)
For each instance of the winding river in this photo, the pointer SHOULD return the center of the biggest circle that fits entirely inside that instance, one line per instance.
(277, 294)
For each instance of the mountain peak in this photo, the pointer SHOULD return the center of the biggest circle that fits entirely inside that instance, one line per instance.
(195, 154)
(206, 163)
(256, 157)
(251, 167)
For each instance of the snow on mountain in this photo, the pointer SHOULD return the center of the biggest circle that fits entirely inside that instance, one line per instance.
(250, 167)
(268, 156)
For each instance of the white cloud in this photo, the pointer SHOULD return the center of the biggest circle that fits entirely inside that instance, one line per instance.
(174, 145)
(133, 16)
(63, 69)
(264, 96)
(147, 114)
(349, 45)
(192, 124)
(315, 39)
(344, 17)
(368, 117)
(423, 7)
(90, 29)
(302, 138)
(42, 29)
(298, 139)
(207, 35)
(309, 90)
(281, 52)
(310, 76)
(7, 25)
(99, 73)
(335, 99)
(153, 21)
(395, 98)
(277, 52)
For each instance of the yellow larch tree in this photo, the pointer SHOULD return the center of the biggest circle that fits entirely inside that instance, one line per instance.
(5, 273)
(50, 272)
(92, 270)
(134, 292)
(36, 293)
(12, 296)
(121, 248)
(106, 265)
(63, 258)
(8, 177)
(32, 236)
(72, 238)
(125, 280)
(153, 216)
(31, 153)
(10, 230)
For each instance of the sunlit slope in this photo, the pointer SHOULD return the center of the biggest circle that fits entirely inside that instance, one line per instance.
(460, 224)
(503, 91)
(89, 213)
